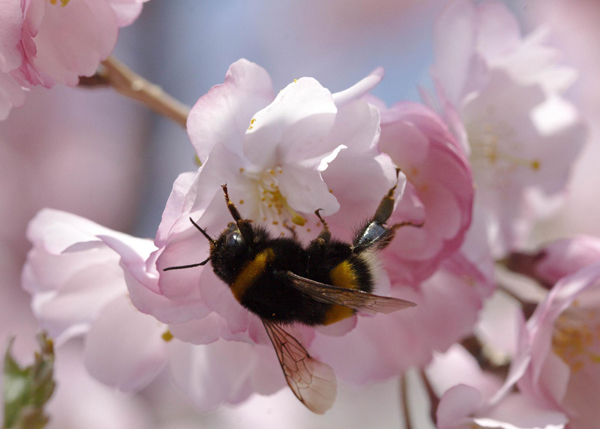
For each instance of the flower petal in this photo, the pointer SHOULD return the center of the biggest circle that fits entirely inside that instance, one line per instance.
(292, 128)
(124, 347)
(222, 116)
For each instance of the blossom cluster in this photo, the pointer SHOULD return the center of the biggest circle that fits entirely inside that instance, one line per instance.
(475, 167)
(45, 42)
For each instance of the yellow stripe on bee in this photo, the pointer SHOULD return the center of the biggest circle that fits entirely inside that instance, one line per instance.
(251, 271)
(343, 275)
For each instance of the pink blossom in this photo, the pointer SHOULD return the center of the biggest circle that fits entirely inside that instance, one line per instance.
(323, 147)
(49, 42)
(296, 155)
(567, 256)
(563, 335)
(473, 398)
(439, 191)
(78, 288)
(501, 95)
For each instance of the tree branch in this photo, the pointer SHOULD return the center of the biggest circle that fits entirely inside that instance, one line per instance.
(125, 81)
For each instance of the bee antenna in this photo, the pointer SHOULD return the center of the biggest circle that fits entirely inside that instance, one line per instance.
(182, 267)
(208, 237)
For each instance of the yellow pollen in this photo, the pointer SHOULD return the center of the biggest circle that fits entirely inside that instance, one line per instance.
(490, 142)
(331, 191)
(241, 201)
(295, 80)
(575, 338)
(167, 336)
(242, 169)
(251, 122)
(298, 220)
(275, 222)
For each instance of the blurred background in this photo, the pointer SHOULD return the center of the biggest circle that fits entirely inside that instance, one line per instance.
(99, 155)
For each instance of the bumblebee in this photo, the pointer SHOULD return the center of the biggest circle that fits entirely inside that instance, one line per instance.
(284, 283)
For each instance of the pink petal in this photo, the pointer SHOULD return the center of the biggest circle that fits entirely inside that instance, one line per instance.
(224, 372)
(456, 405)
(358, 182)
(124, 347)
(439, 177)
(305, 190)
(174, 207)
(198, 331)
(72, 40)
(564, 257)
(292, 128)
(498, 31)
(72, 308)
(360, 88)
(524, 412)
(458, 366)
(224, 113)
(127, 10)
(356, 127)
(454, 47)
(11, 95)
(11, 16)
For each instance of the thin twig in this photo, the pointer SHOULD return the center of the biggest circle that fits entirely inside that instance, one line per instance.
(434, 401)
(405, 406)
(125, 81)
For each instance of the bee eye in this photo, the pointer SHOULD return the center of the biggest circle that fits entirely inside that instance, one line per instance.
(234, 240)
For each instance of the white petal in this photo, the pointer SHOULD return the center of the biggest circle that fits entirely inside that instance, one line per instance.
(124, 347)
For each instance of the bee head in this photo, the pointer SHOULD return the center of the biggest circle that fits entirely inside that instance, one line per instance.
(229, 253)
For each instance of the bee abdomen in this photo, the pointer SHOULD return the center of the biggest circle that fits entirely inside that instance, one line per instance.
(352, 273)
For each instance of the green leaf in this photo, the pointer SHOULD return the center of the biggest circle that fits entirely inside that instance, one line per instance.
(27, 390)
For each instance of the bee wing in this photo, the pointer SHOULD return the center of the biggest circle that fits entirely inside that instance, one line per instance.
(313, 382)
(352, 298)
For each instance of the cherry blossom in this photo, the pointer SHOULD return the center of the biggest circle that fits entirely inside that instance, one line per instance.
(472, 398)
(439, 192)
(305, 141)
(79, 289)
(48, 42)
(222, 127)
(307, 150)
(500, 93)
(563, 331)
